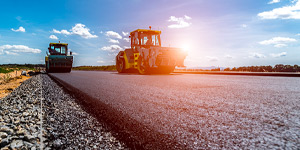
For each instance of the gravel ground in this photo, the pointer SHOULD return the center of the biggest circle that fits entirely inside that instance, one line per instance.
(64, 124)
(19, 117)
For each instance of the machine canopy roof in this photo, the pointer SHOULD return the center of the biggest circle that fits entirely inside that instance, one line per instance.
(59, 44)
(146, 30)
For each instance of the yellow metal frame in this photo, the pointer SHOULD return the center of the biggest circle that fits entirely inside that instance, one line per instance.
(46, 58)
(59, 43)
(136, 57)
(146, 30)
(135, 62)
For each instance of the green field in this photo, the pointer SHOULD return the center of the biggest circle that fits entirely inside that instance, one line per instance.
(6, 68)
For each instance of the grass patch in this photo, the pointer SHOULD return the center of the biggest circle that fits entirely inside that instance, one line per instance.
(5, 70)
(96, 68)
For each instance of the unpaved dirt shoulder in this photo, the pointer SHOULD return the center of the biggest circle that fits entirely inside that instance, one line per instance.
(6, 88)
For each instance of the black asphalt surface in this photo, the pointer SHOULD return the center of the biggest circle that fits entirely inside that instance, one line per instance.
(193, 111)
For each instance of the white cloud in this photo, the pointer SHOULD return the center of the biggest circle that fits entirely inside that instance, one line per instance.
(126, 39)
(180, 22)
(126, 47)
(14, 49)
(257, 55)
(279, 55)
(56, 31)
(274, 1)
(280, 45)
(278, 41)
(21, 29)
(81, 30)
(111, 48)
(78, 29)
(10, 53)
(212, 58)
(74, 53)
(286, 12)
(125, 33)
(187, 17)
(228, 56)
(113, 41)
(113, 34)
(62, 32)
(298, 34)
(112, 54)
(100, 61)
(53, 37)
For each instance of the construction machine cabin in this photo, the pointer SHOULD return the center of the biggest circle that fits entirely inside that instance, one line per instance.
(58, 60)
(147, 56)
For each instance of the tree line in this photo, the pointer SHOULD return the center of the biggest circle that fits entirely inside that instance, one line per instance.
(276, 68)
(103, 68)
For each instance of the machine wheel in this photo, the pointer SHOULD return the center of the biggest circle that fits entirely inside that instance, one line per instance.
(68, 70)
(120, 65)
(142, 68)
(47, 70)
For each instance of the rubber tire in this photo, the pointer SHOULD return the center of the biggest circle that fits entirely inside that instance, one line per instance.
(68, 70)
(142, 71)
(120, 66)
(47, 70)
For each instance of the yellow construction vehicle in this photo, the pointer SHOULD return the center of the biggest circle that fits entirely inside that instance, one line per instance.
(58, 60)
(147, 56)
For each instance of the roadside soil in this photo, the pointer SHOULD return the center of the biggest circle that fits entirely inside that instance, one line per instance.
(15, 81)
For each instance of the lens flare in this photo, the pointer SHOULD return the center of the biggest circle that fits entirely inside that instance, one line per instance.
(185, 47)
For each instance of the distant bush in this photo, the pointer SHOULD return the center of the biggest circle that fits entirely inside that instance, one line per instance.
(227, 69)
(6, 68)
(216, 69)
(21, 66)
(96, 68)
(276, 68)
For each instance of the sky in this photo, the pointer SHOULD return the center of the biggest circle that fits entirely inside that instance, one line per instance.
(224, 33)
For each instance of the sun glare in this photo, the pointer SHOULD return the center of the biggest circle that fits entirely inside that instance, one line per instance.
(185, 47)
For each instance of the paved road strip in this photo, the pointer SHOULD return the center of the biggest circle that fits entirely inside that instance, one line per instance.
(198, 111)
(279, 74)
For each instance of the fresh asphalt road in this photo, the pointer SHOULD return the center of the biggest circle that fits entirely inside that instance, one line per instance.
(198, 111)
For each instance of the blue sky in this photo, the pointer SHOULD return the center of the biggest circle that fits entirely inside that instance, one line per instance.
(224, 33)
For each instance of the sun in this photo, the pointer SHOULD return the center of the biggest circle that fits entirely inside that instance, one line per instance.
(186, 47)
